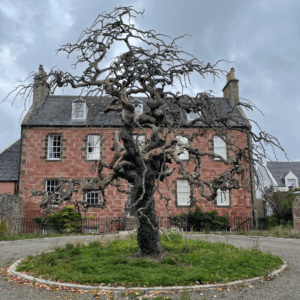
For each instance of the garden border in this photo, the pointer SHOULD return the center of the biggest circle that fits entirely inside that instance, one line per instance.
(13, 267)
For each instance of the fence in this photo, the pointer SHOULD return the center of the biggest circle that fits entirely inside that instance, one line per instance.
(100, 225)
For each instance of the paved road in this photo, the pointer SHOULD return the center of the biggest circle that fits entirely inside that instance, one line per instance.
(285, 286)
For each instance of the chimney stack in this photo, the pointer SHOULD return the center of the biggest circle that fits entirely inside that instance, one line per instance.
(231, 89)
(40, 89)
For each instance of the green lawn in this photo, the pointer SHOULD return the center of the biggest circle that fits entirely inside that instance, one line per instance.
(117, 263)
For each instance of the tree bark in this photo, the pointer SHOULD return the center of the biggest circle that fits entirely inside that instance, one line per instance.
(148, 238)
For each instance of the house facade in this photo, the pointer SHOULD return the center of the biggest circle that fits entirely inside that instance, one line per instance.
(63, 136)
(284, 176)
(9, 169)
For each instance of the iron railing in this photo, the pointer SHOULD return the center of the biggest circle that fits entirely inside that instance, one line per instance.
(113, 224)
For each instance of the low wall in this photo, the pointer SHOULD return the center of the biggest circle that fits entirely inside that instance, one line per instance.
(11, 208)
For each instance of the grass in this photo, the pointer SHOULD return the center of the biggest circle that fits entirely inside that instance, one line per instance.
(35, 235)
(117, 263)
(282, 231)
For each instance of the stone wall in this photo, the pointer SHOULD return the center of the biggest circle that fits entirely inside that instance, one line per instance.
(11, 209)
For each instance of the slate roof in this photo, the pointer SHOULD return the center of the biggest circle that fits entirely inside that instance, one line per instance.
(57, 111)
(9, 162)
(277, 168)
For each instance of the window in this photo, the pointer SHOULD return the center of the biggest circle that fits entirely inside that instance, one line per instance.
(93, 147)
(192, 115)
(79, 110)
(223, 197)
(220, 147)
(183, 192)
(92, 197)
(141, 139)
(90, 229)
(139, 109)
(291, 184)
(54, 146)
(50, 186)
(185, 154)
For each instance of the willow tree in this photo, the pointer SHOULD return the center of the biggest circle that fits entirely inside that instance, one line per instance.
(152, 65)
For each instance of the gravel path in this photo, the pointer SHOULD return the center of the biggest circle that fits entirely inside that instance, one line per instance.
(285, 286)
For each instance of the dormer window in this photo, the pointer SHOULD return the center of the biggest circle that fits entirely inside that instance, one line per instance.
(291, 184)
(139, 109)
(79, 110)
(192, 115)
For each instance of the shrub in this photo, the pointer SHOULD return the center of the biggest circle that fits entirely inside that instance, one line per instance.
(200, 221)
(281, 204)
(65, 221)
(3, 227)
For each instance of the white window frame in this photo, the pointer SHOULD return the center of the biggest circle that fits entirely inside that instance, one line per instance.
(185, 154)
(141, 139)
(139, 108)
(74, 108)
(193, 115)
(52, 150)
(93, 141)
(90, 193)
(92, 229)
(292, 179)
(183, 192)
(51, 184)
(220, 150)
(223, 198)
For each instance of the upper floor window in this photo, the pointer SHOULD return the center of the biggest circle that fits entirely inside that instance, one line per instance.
(220, 147)
(139, 109)
(140, 139)
(93, 147)
(185, 154)
(183, 192)
(291, 184)
(223, 197)
(79, 110)
(54, 147)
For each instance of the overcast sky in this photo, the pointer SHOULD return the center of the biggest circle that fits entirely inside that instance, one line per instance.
(262, 38)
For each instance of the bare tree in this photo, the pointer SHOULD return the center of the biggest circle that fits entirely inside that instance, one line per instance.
(152, 69)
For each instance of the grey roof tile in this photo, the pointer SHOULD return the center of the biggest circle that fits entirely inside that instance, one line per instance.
(57, 111)
(9, 162)
(280, 167)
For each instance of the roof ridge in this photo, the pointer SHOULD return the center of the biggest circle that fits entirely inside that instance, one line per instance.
(9, 146)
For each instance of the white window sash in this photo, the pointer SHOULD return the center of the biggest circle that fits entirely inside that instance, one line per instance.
(223, 197)
(183, 192)
(50, 151)
(93, 147)
(79, 111)
(192, 115)
(139, 109)
(220, 147)
(185, 154)
(141, 139)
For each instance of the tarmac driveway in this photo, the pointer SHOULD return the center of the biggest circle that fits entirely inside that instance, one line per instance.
(285, 286)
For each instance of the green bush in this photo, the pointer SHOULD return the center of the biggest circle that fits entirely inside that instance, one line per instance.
(3, 227)
(65, 221)
(199, 221)
(281, 203)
